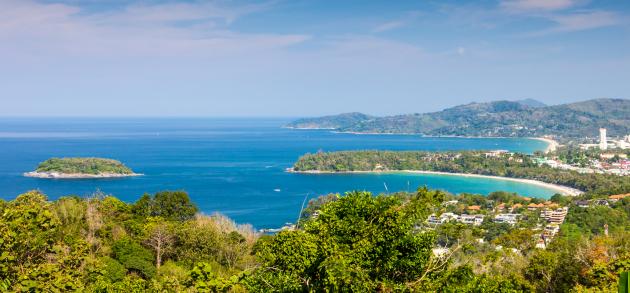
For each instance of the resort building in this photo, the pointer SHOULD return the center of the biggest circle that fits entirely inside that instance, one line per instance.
(475, 220)
(507, 218)
(555, 216)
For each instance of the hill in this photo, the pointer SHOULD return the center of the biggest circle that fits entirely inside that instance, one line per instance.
(330, 122)
(493, 119)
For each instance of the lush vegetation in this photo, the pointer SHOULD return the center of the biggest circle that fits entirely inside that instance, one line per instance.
(506, 165)
(101, 244)
(355, 242)
(92, 166)
(501, 118)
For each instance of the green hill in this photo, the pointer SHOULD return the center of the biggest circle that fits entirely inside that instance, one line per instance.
(500, 118)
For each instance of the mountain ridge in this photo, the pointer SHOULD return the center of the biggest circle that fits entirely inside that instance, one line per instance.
(492, 119)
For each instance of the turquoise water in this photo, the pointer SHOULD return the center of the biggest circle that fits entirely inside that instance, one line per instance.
(232, 166)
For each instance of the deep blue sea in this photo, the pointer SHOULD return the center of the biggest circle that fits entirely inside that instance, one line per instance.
(232, 166)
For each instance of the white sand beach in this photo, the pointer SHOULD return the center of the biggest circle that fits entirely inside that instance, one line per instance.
(552, 145)
(564, 190)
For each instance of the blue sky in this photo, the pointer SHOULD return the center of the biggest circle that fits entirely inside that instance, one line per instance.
(305, 58)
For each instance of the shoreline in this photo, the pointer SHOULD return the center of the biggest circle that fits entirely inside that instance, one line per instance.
(565, 190)
(552, 145)
(57, 175)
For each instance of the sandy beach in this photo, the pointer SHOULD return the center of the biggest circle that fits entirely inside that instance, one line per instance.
(564, 190)
(552, 145)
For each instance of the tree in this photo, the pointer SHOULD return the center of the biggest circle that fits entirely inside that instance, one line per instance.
(541, 270)
(161, 239)
(170, 205)
(358, 243)
(134, 257)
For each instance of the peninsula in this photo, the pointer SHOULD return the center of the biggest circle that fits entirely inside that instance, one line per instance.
(81, 168)
(512, 166)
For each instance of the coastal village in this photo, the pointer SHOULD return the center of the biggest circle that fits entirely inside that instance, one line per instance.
(608, 156)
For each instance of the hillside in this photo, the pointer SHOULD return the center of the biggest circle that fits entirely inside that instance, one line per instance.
(494, 119)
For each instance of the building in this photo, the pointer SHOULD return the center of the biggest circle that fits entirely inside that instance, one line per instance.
(473, 208)
(555, 216)
(617, 197)
(603, 143)
(475, 220)
(445, 217)
(507, 218)
(583, 203)
(551, 230)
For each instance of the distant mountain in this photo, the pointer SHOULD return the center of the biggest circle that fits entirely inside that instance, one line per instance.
(330, 122)
(494, 119)
(532, 103)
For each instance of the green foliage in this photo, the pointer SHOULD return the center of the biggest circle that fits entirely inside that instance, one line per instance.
(203, 279)
(171, 205)
(92, 166)
(358, 243)
(28, 239)
(591, 220)
(134, 257)
(113, 270)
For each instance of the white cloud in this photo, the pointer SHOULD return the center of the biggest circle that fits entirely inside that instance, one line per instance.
(148, 29)
(537, 5)
(561, 15)
(585, 21)
(388, 26)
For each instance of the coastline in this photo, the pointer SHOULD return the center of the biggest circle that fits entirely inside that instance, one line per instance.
(552, 145)
(565, 190)
(57, 175)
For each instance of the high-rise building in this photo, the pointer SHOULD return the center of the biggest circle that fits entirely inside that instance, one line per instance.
(603, 143)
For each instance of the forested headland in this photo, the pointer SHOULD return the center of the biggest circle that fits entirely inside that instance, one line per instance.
(512, 165)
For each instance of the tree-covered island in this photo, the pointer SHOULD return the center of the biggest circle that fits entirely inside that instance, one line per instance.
(68, 168)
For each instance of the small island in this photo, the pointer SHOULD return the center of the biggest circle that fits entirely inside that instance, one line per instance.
(81, 168)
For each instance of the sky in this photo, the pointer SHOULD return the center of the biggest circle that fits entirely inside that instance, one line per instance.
(291, 58)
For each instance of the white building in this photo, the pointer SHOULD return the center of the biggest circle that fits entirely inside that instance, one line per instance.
(475, 220)
(603, 143)
(507, 218)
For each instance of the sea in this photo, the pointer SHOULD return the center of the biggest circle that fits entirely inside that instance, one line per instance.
(233, 166)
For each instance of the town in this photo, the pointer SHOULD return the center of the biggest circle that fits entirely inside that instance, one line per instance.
(609, 156)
